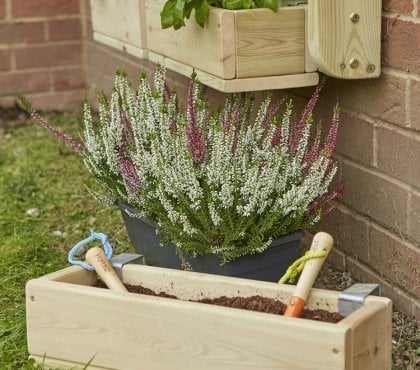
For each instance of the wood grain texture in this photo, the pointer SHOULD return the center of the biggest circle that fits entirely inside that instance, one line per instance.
(334, 40)
(270, 43)
(120, 45)
(71, 324)
(238, 84)
(121, 20)
(368, 350)
(210, 48)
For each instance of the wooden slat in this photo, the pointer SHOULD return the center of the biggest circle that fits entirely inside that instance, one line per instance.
(54, 364)
(72, 275)
(210, 48)
(371, 336)
(270, 43)
(334, 40)
(310, 65)
(121, 20)
(193, 286)
(239, 84)
(119, 45)
(73, 323)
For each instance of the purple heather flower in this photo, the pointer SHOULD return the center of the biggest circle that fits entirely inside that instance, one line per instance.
(196, 140)
(129, 175)
(74, 144)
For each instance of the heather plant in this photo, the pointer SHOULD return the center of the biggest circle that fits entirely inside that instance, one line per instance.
(224, 182)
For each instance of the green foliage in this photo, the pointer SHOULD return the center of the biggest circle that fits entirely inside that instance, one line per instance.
(174, 12)
(224, 182)
(37, 171)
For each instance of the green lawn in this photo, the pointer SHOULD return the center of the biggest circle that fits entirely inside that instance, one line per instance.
(38, 171)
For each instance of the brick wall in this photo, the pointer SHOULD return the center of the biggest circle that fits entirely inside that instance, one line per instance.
(41, 53)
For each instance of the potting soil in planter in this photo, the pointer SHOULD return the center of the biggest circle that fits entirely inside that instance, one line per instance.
(254, 303)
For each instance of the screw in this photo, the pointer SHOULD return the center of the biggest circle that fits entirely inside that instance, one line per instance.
(370, 68)
(354, 17)
(354, 63)
(343, 66)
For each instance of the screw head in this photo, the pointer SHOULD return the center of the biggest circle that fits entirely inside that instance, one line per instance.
(354, 63)
(370, 68)
(355, 17)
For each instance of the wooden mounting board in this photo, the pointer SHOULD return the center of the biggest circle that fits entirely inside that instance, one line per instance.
(238, 84)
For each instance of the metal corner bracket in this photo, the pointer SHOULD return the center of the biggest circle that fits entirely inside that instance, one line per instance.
(352, 298)
(122, 259)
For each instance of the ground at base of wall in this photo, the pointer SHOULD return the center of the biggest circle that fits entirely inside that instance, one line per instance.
(405, 330)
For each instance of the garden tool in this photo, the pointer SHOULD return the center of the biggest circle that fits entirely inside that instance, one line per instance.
(321, 242)
(96, 257)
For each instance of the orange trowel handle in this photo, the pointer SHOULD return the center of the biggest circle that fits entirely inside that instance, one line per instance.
(321, 241)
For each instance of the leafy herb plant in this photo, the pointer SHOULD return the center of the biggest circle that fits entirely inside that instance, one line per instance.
(174, 12)
(224, 182)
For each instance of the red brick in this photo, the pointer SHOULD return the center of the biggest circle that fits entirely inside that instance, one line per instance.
(13, 33)
(399, 155)
(372, 195)
(400, 300)
(401, 44)
(413, 217)
(40, 8)
(395, 260)
(68, 79)
(383, 97)
(61, 101)
(48, 55)
(401, 6)
(2, 9)
(66, 29)
(355, 139)
(414, 110)
(26, 82)
(5, 62)
(350, 232)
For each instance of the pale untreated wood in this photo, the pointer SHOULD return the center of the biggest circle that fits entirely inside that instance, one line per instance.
(120, 24)
(210, 48)
(120, 45)
(310, 65)
(71, 324)
(238, 84)
(341, 47)
(270, 43)
(370, 346)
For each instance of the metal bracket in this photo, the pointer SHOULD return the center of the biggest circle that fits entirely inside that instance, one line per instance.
(353, 298)
(297, 2)
(122, 259)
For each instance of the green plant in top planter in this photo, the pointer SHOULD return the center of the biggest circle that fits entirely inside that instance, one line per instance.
(221, 183)
(175, 11)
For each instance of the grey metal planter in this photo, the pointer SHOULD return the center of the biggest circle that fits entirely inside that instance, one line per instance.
(269, 265)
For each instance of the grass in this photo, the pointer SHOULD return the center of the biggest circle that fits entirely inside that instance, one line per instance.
(39, 172)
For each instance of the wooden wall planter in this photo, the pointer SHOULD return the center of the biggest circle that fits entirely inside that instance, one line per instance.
(69, 322)
(257, 49)
(120, 24)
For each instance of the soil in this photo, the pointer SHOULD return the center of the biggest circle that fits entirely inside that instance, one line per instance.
(254, 303)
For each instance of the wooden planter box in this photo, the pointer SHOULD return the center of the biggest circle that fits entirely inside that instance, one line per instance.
(69, 322)
(254, 49)
(120, 24)
(234, 44)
